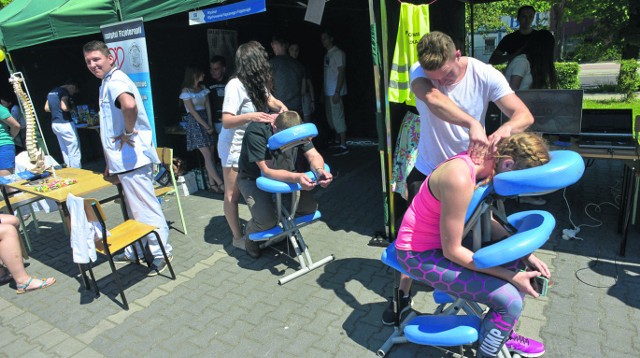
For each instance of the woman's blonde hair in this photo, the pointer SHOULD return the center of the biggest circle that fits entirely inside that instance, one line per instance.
(527, 150)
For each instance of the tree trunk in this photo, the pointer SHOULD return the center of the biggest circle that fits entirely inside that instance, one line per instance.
(557, 21)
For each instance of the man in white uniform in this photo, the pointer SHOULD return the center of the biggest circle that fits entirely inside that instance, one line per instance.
(452, 95)
(335, 88)
(128, 149)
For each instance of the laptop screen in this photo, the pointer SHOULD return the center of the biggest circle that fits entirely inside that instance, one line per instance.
(554, 111)
(607, 122)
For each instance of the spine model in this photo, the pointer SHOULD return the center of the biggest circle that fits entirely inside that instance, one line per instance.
(36, 156)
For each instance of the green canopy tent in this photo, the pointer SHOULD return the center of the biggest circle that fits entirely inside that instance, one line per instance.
(25, 23)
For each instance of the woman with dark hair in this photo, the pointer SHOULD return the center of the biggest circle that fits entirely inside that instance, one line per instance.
(534, 68)
(195, 97)
(248, 97)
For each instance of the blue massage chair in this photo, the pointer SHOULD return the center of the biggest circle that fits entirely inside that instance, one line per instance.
(530, 230)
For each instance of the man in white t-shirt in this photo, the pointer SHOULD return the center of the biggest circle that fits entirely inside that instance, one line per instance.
(452, 95)
(335, 88)
(129, 153)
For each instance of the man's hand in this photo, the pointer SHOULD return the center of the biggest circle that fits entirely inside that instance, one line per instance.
(323, 178)
(478, 142)
(305, 182)
(126, 139)
(113, 179)
(503, 132)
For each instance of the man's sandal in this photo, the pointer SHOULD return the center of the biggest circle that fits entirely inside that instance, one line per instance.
(46, 282)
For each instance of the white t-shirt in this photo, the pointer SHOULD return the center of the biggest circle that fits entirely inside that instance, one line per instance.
(236, 102)
(519, 66)
(112, 125)
(198, 99)
(439, 139)
(333, 60)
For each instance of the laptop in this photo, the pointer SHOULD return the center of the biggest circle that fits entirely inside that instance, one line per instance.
(607, 129)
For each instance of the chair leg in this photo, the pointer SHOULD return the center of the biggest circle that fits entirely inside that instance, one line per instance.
(164, 253)
(85, 279)
(25, 233)
(118, 283)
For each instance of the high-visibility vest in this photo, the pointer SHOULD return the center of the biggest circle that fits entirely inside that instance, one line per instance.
(413, 24)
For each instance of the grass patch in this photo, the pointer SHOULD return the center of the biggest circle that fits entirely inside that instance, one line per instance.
(612, 104)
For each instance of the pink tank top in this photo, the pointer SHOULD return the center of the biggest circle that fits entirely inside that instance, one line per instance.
(420, 229)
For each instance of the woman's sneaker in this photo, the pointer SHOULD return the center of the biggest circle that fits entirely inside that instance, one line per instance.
(389, 315)
(526, 347)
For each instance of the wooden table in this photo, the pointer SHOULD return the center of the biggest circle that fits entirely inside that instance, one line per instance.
(88, 182)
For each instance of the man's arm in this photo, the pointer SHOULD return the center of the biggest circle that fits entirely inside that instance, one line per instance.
(443, 107)
(316, 162)
(498, 57)
(520, 118)
(130, 113)
(336, 95)
(46, 106)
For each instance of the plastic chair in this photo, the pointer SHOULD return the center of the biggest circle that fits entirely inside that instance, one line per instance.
(531, 229)
(116, 239)
(166, 157)
(289, 227)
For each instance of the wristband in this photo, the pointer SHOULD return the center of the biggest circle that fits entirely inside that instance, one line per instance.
(124, 133)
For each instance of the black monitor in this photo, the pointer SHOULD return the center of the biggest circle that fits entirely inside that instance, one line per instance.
(555, 112)
(607, 122)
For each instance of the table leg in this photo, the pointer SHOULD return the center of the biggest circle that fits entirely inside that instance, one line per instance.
(123, 205)
(629, 198)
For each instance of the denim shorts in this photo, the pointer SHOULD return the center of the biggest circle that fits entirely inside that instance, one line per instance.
(7, 157)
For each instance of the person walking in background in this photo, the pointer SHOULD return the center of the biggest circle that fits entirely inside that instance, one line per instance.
(9, 102)
(335, 87)
(534, 68)
(129, 153)
(247, 98)
(513, 44)
(12, 265)
(59, 105)
(216, 83)
(200, 130)
(308, 97)
(288, 76)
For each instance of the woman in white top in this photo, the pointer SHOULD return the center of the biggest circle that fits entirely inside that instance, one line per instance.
(199, 125)
(534, 68)
(247, 98)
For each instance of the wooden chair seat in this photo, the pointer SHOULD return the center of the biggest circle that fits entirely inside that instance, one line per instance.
(162, 191)
(121, 235)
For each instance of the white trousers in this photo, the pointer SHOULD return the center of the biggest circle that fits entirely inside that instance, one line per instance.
(142, 205)
(67, 134)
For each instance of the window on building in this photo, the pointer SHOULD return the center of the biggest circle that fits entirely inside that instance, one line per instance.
(489, 45)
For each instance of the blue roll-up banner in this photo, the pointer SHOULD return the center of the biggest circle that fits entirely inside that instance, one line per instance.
(128, 45)
(226, 12)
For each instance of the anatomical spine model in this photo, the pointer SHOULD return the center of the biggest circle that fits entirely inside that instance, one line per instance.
(36, 156)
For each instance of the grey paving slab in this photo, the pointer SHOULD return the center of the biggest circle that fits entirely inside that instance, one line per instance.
(224, 303)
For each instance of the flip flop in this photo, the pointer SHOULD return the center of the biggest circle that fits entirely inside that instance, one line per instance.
(46, 282)
(379, 239)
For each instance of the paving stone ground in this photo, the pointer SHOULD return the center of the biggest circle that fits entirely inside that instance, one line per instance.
(224, 303)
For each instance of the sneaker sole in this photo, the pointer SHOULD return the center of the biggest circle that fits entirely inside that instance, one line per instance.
(528, 355)
(156, 272)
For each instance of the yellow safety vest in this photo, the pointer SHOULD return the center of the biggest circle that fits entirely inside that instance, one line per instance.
(413, 24)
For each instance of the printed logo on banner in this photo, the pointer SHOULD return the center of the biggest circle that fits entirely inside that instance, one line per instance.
(118, 55)
(136, 56)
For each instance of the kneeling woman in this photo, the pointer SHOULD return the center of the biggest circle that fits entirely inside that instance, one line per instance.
(430, 242)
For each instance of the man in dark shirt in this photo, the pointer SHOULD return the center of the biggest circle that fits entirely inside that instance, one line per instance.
(59, 104)
(288, 76)
(216, 85)
(256, 158)
(513, 44)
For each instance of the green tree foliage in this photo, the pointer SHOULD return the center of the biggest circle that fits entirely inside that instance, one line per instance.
(615, 33)
(4, 3)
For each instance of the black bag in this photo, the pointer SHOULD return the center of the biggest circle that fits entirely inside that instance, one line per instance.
(163, 176)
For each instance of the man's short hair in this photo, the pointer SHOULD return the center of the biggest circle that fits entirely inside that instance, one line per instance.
(279, 39)
(435, 49)
(525, 7)
(218, 58)
(287, 120)
(96, 45)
